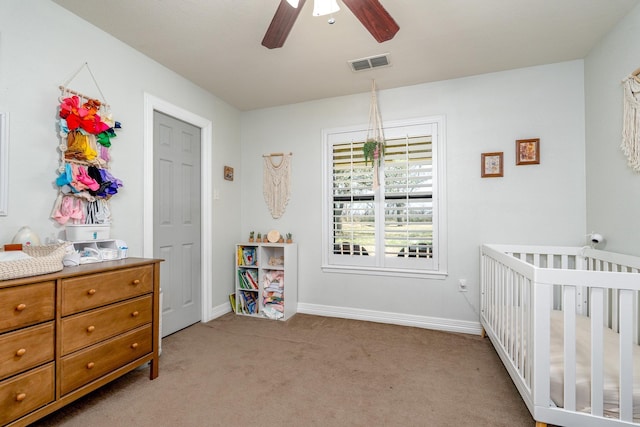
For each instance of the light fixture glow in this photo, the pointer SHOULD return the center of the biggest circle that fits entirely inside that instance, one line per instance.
(325, 7)
(293, 3)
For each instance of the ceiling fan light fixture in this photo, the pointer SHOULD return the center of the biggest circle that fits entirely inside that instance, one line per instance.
(293, 3)
(324, 7)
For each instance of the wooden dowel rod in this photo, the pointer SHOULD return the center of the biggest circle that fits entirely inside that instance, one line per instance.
(73, 92)
(275, 154)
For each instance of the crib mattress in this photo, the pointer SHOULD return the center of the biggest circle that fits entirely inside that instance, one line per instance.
(583, 367)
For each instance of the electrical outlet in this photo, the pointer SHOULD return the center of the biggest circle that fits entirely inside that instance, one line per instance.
(462, 285)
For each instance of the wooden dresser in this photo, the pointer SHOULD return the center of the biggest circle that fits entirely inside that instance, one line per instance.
(62, 335)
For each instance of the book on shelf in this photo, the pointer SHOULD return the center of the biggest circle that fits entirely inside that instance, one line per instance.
(249, 256)
(242, 281)
(249, 302)
(252, 278)
(232, 300)
(239, 256)
(247, 279)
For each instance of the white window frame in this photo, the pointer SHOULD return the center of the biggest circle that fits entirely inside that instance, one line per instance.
(369, 265)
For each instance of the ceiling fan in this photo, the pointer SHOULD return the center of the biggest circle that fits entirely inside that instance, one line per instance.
(370, 13)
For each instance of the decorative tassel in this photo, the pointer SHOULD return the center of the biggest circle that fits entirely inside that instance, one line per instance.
(630, 145)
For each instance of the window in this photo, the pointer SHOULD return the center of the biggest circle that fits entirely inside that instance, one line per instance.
(399, 227)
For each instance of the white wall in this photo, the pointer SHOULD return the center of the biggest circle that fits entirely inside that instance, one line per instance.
(41, 46)
(613, 189)
(540, 204)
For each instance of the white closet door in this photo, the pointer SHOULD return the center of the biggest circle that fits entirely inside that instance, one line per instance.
(176, 222)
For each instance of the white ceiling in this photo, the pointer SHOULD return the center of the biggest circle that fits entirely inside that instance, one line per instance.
(216, 43)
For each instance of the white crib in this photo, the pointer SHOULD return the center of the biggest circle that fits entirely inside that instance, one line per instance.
(543, 307)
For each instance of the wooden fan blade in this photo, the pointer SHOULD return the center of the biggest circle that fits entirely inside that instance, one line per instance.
(374, 17)
(281, 24)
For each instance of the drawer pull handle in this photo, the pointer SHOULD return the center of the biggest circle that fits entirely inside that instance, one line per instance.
(90, 365)
(21, 352)
(21, 307)
(91, 291)
(20, 397)
(134, 345)
(136, 282)
(135, 314)
(91, 328)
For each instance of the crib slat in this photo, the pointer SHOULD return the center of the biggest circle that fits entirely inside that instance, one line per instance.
(636, 318)
(498, 295)
(582, 292)
(615, 310)
(528, 332)
(523, 334)
(597, 351)
(569, 347)
(541, 337)
(511, 334)
(626, 356)
(549, 258)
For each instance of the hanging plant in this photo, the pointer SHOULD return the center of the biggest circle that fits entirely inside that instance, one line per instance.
(373, 150)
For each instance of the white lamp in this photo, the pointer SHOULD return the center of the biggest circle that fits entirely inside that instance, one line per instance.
(325, 7)
(293, 3)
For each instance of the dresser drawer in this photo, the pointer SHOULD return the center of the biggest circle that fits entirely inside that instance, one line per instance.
(84, 329)
(26, 305)
(24, 393)
(95, 290)
(87, 365)
(25, 348)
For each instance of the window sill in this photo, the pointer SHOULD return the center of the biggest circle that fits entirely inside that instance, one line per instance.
(372, 271)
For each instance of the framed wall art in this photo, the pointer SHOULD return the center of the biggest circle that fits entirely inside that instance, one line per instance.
(528, 151)
(491, 165)
(228, 173)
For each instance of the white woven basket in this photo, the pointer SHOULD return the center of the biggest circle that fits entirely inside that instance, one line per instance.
(45, 259)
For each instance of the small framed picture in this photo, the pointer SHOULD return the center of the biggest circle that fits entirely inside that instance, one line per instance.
(228, 173)
(528, 151)
(491, 165)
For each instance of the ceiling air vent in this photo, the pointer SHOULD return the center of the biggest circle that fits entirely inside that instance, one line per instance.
(369, 62)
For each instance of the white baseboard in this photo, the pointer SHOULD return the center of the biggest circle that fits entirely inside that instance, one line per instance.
(217, 311)
(436, 323)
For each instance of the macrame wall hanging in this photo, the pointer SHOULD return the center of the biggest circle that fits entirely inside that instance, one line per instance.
(631, 120)
(373, 148)
(276, 184)
(85, 184)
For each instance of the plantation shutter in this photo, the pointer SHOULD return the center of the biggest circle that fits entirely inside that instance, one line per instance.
(353, 202)
(408, 197)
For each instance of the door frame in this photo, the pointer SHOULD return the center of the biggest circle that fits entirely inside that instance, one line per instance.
(151, 104)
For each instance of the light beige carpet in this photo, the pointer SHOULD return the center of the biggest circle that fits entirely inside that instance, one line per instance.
(309, 371)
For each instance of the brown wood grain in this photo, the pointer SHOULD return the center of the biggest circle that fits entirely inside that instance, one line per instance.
(281, 24)
(374, 17)
(26, 305)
